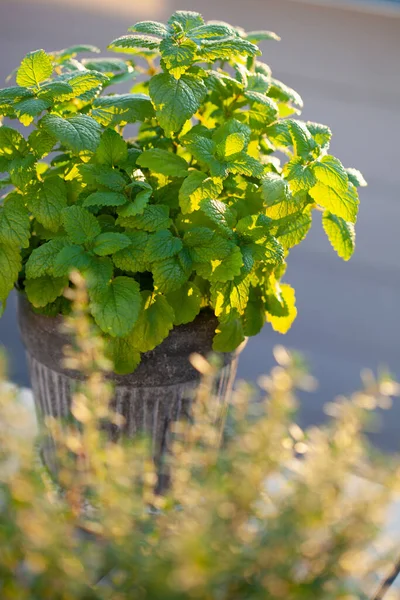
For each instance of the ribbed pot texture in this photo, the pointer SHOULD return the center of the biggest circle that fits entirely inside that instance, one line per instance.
(158, 393)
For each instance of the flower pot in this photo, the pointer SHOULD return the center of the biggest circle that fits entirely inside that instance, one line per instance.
(158, 393)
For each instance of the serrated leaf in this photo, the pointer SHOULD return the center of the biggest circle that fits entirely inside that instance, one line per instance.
(14, 222)
(274, 189)
(299, 175)
(203, 149)
(283, 324)
(139, 202)
(153, 218)
(195, 188)
(56, 91)
(34, 68)
(151, 28)
(321, 134)
(154, 323)
(14, 93)
(259, 36)
(48, 201)
(244, 164)
(105, 199)
(302, 140)
(112, 149)
(211, 31)
(175, 100)
(110, 242)
(76, 49)
(81, 226)
(22, 171)
(230, 295)
(77, 133)
(356, 178)
(117, 309)
(45, 289)
(162, 245)
(41, 260)
(164, 162)
(205, 245)
(226, 269)
(226, 48)
(341, 234)
(10, 266)
(132, 43)
(293, 229)
(330, 171)
(178, 56)
(102, 175)
(122, 108)
(169, 274)
(41, 142)
(233, 143)
(123, 354)
(29, 108)
(219, 213)
(187, 19)
(132, 258)
(283, 93)
(254, 315)
(106, 65)
(68, 258)
(186, 303)
(98, 275)
(12, 143)
(229, 334)
(343, 204)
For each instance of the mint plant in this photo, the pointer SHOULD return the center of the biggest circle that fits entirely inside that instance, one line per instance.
(195, 211)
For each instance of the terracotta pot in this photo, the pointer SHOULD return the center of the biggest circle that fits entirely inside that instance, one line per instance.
(158, 393)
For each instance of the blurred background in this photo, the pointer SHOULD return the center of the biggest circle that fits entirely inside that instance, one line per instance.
(343, 57)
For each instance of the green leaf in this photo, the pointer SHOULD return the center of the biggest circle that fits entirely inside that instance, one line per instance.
(74, 50)
(22, 171)
(321, 134)
(80, 225)
(229, 334)
(110, 242)
(35, 68)
(10, 266)
(29, 108)
(330, 171)
(220, 214)
(41, 260)
(244, 164)
(176, 100)
(187, 19)
(283, 324)
(197, 187)
(260, 36)
(283, 93)
(77, 133)
(223, 270)
(105, 199)
(14, 222)
(69, 258)
(212, 30)
(41, 142)
(232, 144)
(162, 245)
(14, 93)
(356, 178)
(299, 175)
(226, 48)
(254, 314)
(56, 91)
(302, 140)
(132, 258)
(274, 189)
(122, 353)
(117, 309)
(341, 203)
(107, 65)
(122, 108)
(230, 295)
(169, 274)
(186, 303)
(164, 162)
(206, 245)
(48, 201)
(151, 28)
(293, 229)
(45, 289)
(341, 234)
(12, 143)
(178, 55)
(132, 43)
(98, 275)
(112, 149)
(153, 218)
(154, 323)
(102, 175)
(140, 201)
(203, 149)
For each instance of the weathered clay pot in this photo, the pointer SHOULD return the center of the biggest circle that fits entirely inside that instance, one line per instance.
(158, 393)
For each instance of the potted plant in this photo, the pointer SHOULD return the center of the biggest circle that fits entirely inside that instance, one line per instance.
(183, 230)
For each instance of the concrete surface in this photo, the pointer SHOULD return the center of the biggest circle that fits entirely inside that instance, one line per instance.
(346, 66)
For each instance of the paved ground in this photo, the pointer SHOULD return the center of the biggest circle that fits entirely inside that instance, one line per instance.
(346, 66)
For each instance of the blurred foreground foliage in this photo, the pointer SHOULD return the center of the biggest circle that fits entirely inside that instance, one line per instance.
(256, 509)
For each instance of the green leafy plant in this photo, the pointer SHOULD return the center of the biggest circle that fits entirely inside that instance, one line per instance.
(195, 211)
